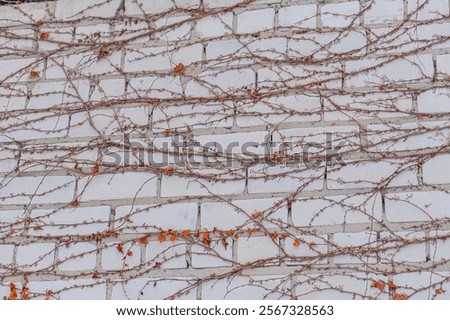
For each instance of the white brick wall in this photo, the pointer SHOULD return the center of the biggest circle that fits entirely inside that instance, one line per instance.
(83, 83)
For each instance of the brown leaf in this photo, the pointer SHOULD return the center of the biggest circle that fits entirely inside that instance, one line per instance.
(179, 68)
(34, 74)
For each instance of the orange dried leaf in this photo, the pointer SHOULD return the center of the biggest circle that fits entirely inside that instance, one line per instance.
(95, 170)
(249, 232)
(439, 291)
(120, 247)
(197, 234)
(174, 237)
(312, 244)
(236, 236)
(399, 296)
(166, 133)
(230, 232)
(274, 235)
(75, 203)
(34, 74)
(37, 228)
(169, 170)
(224, 243)
(179, 68)
(256, 215)
(378, 284)
(129, 253)
(296, 243)
(43, 35)
(186, 233)
(161, 237)
(143, 240)
(391, 285)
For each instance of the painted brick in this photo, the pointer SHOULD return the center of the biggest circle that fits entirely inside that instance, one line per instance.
(310, 250)
(6, 257)
(13, 98)
(337, 210)
(303, 16)
(46, 95)
(62, 34)
(433, 169)
(192, 116)
(12, 70)
(109, 89)
(77, 257)
(11, 220)
(26, 13)
(154, 87)
(407, 136)
(213, 256)
(8, 160)
(35, 256)
(349, 286)
(166, 255)
(417, 206)
(255, 20)
(173, 186)
(415, 285)
(68, 10)
(238, 214)
(113, 259)
(436, 33)
(117, 186)
(415, 68)
(443, 64)
(340, 15)
(181, 28)
(82, 64)
(377, 12)
(49, 189)
(280, 109)
(70, 221)
(401, 248)
(263, 178)
(440, 248)
(359, 245)
(246, 288)
(220, 3)
(88, 289)
(109, 121)
(215, 26)
(434, 101)
(10, 44)
(363, 174)
(141, 218)
(257, 248)
(430, 9)
(154, 289)
(140, 7)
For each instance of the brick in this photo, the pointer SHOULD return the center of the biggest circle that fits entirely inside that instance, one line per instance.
(12, 70)
(88, 289)
(154, 289)
(271, 48)
(435, 33)
(215, 25)
(238, 214)
(417, 206)
(255, 20)
(69, 221)
(377, 71)
(440, 248)
(130, 29)
(258, 249)
(85, 64)
(213, 256)
(13, 98)
(77, 257)
(430, 10)
(269, 179)
(113, 259)
(35, 256)
(220, 3)
(109, 121)
(355, 107)
(6, 258)
(443, 65)
(10, 44)
(415, 285)
(309, 251)
(377, 12)
(109, 89)
(433, 169)
(45, 95)
(11, 220)
(348, 286)
(246, 288)
(399, 247)
(193, 116)
(364, 174)
(35, 126)
(154, 87)
(356, 248)
(218, 83)
(62, 34)
(225, 48)
(117, 186)
(401, 40)
(8, 161)
(49, 189)
(68, 10)
(303, 16)
(337, 210)
(279, 109)
(98, 33)
(440, 281)
(142, 218)
(140, 7)
(434, 101)
(166, 255)
(26, 13)
(407, 136)
(174, 28)
(340, 15)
